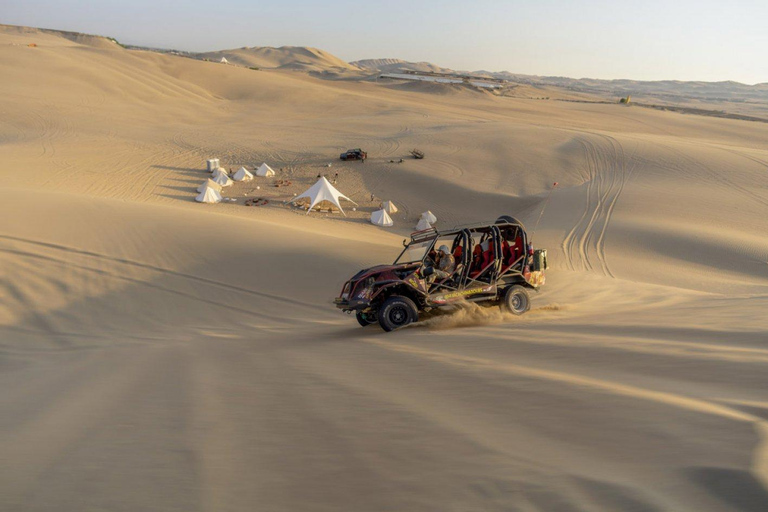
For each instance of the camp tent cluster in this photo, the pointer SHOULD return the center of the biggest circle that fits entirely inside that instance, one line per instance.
(322, 193)
(425, 221)
(382, 216)
(210, 190)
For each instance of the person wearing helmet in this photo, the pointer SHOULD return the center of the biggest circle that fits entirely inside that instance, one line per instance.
(441, 266)
(446, 264)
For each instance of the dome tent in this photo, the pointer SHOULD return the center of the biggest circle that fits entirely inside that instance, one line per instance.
(265, 171)
(242, 174)
(323, 191)
(389, 207)
(222, 179)
(209, 195)
(423, 224)
(209, 183)
(429, 217)
(381, 218)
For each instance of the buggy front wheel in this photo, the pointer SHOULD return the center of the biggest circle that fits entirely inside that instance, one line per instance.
(397, 312)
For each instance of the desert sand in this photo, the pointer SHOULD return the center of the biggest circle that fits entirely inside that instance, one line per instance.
(160, 354)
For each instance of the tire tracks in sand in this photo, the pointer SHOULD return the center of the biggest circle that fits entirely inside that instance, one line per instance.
(608, 169)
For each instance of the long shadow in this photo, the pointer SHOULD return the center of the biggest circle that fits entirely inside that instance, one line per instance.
(188, 198)
(189, 188)
(182, 169)
(738, 488)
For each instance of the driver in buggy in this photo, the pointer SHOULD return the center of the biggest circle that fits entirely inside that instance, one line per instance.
(445, 265)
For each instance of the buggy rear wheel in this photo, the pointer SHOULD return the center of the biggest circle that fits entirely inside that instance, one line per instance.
(516, 300)
(397, 312)
(366, 319)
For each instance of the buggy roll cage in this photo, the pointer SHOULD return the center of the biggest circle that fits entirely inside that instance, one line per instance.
(493, 233)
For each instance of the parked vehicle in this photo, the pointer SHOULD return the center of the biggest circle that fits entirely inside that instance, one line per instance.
(354, 154)
(494, 263)
(417, 154)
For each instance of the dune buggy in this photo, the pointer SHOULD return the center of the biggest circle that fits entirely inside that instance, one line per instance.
(494, 264)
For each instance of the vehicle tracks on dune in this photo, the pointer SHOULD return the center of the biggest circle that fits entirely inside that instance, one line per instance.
(607, 170)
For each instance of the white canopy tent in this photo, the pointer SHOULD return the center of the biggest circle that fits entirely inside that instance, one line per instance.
(265, 171)
(242, 174)
(381, 218)
(224, 60)
(423, 224)
(323, 191)
(429, 217)
(222, 179)
(389, 207)
(209, 183)
(209, 195)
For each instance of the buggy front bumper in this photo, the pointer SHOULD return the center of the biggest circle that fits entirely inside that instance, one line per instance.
(352, 304)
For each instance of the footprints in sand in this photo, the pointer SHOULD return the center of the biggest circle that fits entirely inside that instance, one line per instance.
(607, 170)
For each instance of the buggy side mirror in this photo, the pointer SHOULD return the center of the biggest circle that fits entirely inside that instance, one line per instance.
(405, 242)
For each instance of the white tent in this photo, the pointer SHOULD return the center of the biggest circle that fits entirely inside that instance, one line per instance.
(423, 224)
(389, 207)
(265, 171)
(242, 174)
(381, 218)
(222, 179)
(429, 217)
(220, 171)
(209, 183)
(323, 191)
(209, 195)
(224, 60)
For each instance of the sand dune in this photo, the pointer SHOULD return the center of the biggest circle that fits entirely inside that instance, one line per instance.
(393, 65)
(286, 57)
(157, 353)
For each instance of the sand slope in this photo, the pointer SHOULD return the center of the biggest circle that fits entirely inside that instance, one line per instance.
(159, 354)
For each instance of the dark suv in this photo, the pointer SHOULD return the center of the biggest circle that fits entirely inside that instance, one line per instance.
(493, 263)
(354, 154)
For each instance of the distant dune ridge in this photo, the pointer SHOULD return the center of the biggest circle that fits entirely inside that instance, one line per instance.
(300, 58)
(58, 37)
(157, 353)
(392, 65)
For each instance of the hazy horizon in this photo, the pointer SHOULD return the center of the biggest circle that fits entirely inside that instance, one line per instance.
(687, 41)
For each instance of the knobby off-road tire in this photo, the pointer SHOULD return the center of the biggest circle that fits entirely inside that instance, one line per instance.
(397, 312)
(516, 300)
(365, 319)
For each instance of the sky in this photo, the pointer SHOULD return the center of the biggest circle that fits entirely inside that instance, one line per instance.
(643, 40)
